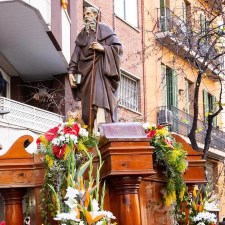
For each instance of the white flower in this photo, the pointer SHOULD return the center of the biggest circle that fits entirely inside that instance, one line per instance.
(109, 215)
(83, 132)
(205, 217)
(100, 223)
(62, 138)
(67, 216)
(95, 205)
(61, 126)
(81, 222)
(73, 138)
(56, 141)
(71, 192)
(200, 223)
(146, 125)
(71, 202)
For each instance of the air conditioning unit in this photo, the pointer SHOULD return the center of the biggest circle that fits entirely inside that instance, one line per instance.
(165, 117)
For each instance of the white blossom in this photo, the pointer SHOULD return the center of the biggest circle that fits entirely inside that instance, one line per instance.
(100, 223)
(95, 205)
(62, 138)
(205, 217)
(74, 138)
(67, 216)
(71, 202)
(71, 192)
(56, 141)
(146, 125)
(109, 215)
(83, 132)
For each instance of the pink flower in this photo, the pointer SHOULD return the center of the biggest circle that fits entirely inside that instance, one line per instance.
(52, 133)
(2, 223)
(169, 142)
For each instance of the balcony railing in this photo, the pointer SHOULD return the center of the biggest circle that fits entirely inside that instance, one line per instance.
(26, 116)
(177, 35)
(182, 122)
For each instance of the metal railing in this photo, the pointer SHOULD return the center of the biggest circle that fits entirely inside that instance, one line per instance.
(27, 116)
(181, 32)
(182, 122)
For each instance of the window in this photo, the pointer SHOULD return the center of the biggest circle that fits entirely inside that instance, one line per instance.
(127, 10)
(4, 85)
(209, 102)
(129, 92)
(163, 15)
(189, 89)
(169, 87)
(203, 24)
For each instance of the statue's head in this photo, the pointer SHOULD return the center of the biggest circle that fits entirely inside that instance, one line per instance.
(90, 18)
(90, 14)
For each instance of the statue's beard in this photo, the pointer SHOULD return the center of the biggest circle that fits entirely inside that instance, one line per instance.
(90, 26)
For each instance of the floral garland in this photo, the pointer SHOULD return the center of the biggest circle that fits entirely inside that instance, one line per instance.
(66, 196)
(172, 157)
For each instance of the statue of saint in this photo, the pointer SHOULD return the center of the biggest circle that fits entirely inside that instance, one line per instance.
(101, 56)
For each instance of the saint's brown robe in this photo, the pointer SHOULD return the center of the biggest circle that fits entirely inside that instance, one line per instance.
(106, 72)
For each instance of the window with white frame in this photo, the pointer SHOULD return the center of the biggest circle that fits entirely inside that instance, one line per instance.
(129, 92)
(127, 10)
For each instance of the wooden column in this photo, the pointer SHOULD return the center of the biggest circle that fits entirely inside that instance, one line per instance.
(127, 188)
(127, 157)
(13, 198)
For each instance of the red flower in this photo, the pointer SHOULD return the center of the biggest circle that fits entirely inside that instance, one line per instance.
(59, 151)
(52, 133)
(76, 129)
(151, 133)
(2, 223)
(160, 127)
(38, 141)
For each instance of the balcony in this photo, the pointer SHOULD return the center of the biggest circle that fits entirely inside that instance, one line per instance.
(176, 34)
(27, 117)
(181, 124)
(29, 47)
(44, 7)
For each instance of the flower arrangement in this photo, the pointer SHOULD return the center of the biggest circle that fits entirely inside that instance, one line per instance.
(195, 207)
(204, 218)
(172, 157)
(70, 193)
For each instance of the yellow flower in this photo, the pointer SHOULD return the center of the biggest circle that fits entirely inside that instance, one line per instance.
(66, 153)
(49, 161)
(161, 132)
(81, 146)
(70, 122)
(43, 140)
(181, 194)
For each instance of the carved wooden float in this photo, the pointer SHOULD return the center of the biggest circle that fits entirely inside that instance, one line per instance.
(20, 170)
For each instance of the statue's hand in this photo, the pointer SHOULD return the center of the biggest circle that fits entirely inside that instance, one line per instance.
(97, 46)
(72, 81)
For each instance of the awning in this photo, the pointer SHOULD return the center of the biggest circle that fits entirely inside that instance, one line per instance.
(26, 49)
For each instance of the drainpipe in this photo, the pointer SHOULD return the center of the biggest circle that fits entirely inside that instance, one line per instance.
(143, 58)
